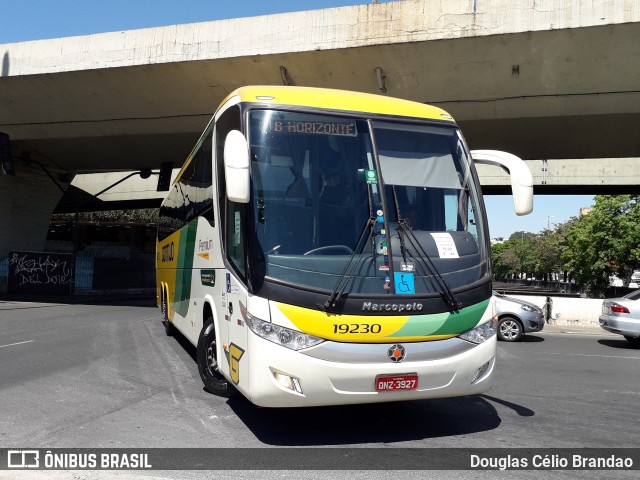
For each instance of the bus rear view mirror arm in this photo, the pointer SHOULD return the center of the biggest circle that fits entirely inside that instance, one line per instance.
(236, 167)
(521, 179)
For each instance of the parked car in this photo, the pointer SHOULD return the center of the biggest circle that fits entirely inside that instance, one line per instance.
(622, 316)
(516, 317)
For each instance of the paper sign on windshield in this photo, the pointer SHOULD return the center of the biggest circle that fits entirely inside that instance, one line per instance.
(446, 245)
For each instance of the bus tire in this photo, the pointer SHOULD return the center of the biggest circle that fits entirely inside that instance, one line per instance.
(208, 368)
(169, 328)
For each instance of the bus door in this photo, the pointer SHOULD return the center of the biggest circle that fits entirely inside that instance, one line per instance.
(235, 289)
(234, 330)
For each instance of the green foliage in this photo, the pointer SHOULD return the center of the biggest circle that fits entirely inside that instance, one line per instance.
(515, 255)
(592, 248)
(605, 242)
(142, 215)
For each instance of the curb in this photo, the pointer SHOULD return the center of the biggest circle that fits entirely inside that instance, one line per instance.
(576, 330)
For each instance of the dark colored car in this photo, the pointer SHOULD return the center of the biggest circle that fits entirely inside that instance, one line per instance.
(516, 317)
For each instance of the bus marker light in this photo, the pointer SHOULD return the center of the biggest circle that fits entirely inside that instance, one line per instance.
(481, 371)
(292, 383)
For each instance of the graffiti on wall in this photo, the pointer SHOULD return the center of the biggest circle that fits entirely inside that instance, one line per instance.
(38, 272)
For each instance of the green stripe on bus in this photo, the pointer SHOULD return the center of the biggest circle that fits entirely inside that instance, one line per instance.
(184, 267)
(443, 323)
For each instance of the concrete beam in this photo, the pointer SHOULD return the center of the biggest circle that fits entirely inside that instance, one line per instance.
(329, 29)
(570, 176)
(584, 176)
(511, 73)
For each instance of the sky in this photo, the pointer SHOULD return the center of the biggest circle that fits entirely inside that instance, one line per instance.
(24, 20)
(547, 211)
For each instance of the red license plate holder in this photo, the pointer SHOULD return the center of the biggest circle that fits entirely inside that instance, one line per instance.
(394, 383)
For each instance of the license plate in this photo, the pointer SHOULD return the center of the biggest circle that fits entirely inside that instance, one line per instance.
(389, 383)
(605, 310)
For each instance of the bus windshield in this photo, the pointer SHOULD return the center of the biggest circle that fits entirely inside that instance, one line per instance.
(386, 207)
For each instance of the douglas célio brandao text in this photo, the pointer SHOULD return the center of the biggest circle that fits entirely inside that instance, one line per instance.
(550, 461)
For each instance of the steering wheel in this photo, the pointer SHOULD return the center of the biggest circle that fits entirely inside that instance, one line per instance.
(330, 247)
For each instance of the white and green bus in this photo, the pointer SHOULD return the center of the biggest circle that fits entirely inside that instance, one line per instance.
(324, 247)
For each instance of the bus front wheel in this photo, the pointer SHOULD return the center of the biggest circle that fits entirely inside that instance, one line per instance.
(208, 365)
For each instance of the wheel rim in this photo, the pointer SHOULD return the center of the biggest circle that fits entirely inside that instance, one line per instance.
(509, 329)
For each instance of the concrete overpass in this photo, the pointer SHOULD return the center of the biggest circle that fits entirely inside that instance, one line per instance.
(544, 79)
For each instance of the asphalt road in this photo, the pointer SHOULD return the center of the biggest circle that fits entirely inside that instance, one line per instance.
(107, 376)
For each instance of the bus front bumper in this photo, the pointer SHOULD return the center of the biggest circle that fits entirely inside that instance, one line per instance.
(275, 373)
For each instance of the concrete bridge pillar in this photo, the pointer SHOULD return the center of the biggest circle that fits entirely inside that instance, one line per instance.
(26, 203)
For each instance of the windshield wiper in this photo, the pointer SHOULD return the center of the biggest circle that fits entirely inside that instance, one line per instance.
(445, 291)
(396, 207)
(402, 229)
(346, 276)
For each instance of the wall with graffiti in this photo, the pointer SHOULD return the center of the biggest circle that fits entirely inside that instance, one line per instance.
(38, 272)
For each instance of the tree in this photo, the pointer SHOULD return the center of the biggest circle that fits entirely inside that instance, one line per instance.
(605, 242)
(548, 247)
(500, 269)
(515, 256)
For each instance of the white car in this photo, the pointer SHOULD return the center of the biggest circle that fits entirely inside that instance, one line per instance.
(622, 316)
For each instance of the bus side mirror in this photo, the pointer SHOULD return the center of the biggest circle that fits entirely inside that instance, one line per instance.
(521, 179)
(236, 167)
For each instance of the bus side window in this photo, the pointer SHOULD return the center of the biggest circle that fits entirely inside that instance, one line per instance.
(231, 213)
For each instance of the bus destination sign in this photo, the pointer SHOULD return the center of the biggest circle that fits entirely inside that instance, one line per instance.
(318, 128)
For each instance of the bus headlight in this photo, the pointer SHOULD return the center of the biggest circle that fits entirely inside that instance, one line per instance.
(481, 333)
(277, 334)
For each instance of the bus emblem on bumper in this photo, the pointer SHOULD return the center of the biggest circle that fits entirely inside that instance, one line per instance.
(396, 353)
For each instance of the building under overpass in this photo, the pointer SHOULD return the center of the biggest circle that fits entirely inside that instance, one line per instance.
(556, 82)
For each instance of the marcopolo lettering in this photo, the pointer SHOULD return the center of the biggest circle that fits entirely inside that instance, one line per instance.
(391, 307)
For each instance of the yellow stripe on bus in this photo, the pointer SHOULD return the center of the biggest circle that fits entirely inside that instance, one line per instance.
(353, 328)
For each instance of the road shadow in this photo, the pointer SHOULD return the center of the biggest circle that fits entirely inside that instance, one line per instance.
(371, 423)
(142, 300)
(519, 409)
(531, 338)
(621, 344)
(184, 343)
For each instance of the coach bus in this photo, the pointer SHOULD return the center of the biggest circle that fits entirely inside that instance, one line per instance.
(324, 247)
